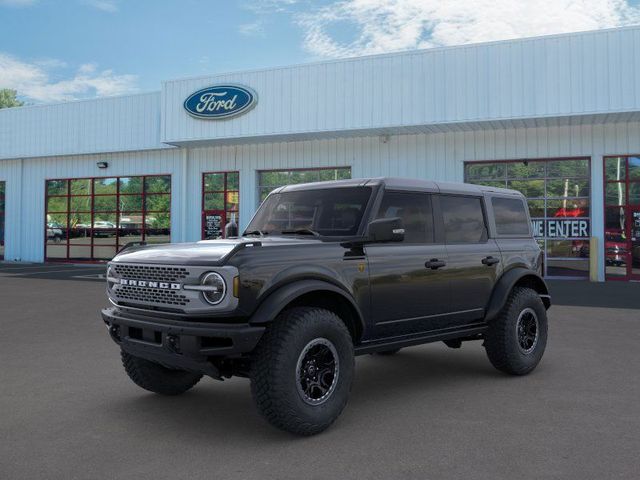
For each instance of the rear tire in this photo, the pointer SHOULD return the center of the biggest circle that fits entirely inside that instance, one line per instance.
(156, 378)
(302, 370)
(517, 338)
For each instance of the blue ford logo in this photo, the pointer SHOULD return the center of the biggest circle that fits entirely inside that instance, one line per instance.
(220, 101)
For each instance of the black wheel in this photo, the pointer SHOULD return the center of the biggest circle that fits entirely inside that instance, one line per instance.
(302, 370)
(385, 353)
(516, 340)
(156, 378)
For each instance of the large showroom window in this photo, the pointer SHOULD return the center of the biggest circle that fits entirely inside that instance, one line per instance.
(2, 187)
(622, 217)
(92, 218)
(269, 180)
(220, 202)
(558, 192)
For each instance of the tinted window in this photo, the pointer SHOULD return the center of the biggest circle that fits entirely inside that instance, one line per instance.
(415, 211)
(510, 215)
(330, 212)
(463, 219)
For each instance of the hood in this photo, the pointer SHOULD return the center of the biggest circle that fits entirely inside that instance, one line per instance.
(205, 252)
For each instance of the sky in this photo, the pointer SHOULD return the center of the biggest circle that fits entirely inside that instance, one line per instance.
(60, 50)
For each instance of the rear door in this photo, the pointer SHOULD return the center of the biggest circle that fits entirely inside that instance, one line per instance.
(474, 258)
(409, 288)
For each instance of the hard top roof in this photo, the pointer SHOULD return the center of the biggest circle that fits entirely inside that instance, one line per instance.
(398, 183)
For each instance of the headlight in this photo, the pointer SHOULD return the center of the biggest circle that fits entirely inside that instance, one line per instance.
(215, 288)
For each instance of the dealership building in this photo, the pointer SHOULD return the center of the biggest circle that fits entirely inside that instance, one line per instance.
(556, 117)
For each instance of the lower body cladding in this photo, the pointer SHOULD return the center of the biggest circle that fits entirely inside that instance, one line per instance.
(183, 345)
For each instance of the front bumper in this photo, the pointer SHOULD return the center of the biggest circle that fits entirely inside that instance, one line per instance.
(180, 344)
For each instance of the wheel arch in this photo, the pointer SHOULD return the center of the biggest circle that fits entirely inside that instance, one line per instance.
(314, 293)
(516, 277)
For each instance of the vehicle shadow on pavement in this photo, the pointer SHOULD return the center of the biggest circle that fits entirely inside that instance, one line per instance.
(214, 410)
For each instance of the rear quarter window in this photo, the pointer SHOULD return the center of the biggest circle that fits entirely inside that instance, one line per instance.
(510, 216)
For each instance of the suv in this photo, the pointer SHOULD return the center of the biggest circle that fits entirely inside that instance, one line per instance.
(324, 272)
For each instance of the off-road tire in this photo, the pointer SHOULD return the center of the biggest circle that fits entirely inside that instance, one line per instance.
(274, 370)
(501, 341)
(156, 378)
(386, 353)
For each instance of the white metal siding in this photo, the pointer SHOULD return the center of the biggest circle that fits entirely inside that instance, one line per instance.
(102, 125)
(548, 77)
(438, 156)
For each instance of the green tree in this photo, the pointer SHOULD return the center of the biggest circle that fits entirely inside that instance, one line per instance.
(8, 98)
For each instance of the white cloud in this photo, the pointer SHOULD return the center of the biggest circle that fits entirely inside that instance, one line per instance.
(110, 6)
(253, 29)
(377, 26)
(34, 81)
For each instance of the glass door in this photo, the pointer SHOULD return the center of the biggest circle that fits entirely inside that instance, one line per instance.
(622, 217)
(634, 263)
(220, 202)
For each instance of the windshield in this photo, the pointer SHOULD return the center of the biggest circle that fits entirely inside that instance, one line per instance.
(335, 212)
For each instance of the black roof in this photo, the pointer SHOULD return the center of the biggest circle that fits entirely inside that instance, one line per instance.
(398, 183)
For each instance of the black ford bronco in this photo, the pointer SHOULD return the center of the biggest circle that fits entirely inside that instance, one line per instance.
(324, 272)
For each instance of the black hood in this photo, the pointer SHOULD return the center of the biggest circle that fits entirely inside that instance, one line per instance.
(205, 252)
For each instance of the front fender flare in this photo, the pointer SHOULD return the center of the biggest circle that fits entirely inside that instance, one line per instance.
(505, 284)
(275, 302)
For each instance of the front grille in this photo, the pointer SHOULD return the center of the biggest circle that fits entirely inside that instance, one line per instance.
(153, 295)
(150, 273)
(147, 272)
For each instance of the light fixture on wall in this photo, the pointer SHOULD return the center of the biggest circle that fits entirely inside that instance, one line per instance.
(102, 164)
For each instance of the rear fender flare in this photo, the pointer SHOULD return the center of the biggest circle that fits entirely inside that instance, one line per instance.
(505, 285)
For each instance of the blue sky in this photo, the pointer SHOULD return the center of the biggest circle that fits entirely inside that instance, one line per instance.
(56, 50)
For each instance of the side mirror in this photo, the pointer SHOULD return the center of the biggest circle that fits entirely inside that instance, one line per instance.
(385, 230)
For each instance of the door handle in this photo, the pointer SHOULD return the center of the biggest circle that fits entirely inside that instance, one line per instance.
(435, 264)
(488, 261)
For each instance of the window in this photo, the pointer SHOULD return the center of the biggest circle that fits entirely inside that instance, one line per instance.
(220, 202)
(463, 219)
(332, 212)
(510, 216)
(558, 193)
(622, 217)
(2, 210)
(415, 211)
(269, 180)
(92, 218)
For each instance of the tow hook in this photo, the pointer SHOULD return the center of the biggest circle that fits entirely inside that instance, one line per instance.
(114, 331)
(173, 343)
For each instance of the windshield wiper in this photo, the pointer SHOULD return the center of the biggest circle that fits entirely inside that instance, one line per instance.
(255, 232)
(301, 231)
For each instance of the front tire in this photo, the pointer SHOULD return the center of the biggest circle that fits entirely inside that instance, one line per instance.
(158, 379)
(517, 338)
(302, 370)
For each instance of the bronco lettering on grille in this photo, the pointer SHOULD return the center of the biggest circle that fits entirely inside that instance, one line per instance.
(150, 284)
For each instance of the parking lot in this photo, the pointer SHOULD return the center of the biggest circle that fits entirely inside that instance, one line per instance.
(68, 410)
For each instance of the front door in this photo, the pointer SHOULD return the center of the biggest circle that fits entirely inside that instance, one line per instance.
(409, 293)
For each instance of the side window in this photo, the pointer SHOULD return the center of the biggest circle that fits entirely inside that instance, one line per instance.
(415, 211)
(510, 215)
(463, 219)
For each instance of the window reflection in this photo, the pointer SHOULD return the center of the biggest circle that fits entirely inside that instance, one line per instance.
(558, 192)
(91, 219)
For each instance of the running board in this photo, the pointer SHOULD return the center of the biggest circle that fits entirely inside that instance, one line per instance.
(430, 337)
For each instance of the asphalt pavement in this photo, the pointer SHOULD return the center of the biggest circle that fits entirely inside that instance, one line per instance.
(68, 411)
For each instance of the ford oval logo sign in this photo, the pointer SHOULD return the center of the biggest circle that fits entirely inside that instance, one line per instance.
(220, 101)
